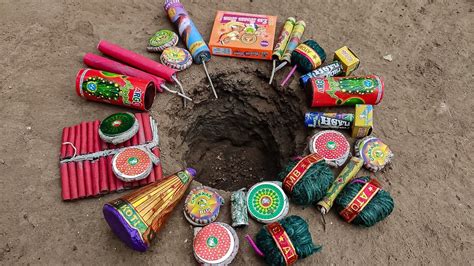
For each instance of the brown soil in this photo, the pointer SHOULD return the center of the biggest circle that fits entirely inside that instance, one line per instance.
(425, 118)
(242, 137)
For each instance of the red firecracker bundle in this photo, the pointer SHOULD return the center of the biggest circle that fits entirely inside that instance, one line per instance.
(86, 160)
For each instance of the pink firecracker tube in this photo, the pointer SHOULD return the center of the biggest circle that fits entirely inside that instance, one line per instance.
(102, 63)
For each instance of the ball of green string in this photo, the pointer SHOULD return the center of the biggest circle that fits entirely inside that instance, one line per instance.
(375, 211)
(312, 187)
(297, 230)
(303, 64)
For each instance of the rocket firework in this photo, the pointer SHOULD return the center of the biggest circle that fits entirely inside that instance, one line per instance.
(294, 40)
(281, 44)
(189, 34)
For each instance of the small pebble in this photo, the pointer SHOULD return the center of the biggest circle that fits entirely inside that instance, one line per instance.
(388, 57)
(28, 128)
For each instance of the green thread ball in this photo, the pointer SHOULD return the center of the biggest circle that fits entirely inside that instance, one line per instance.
(376, 210)
(303, 65)
(297, 230)
(312, 187)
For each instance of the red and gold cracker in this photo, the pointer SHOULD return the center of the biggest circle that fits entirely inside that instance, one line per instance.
(299, 170)
(283, 242)
(361, 200)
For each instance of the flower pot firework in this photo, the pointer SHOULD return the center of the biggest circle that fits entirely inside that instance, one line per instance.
(136, 217)
(102, 86)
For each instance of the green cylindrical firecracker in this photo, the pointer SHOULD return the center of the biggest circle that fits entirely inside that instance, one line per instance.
(283, 39)
(294, 40)
(351, 169)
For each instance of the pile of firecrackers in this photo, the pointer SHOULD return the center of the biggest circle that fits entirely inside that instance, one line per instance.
(123, 151)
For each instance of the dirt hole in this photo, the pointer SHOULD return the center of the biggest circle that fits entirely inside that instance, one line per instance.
(244, 136)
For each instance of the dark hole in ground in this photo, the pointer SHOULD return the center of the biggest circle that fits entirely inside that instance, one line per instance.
(244, 136)
(228, 155)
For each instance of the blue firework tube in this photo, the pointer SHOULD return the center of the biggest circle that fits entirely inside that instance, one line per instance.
(330, 70)
(328, 120)
(188, 31)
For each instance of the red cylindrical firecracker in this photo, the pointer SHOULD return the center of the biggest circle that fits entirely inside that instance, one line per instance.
(136, 60)
(336, 91)
(72, 166)
(141, 140)
(102, 63)
(80, 165)
(101, 86)
(69, 138)
(147, 127)
(66, 195)
(94, 164)
(64, 139)
(103, 185)
(119, 184)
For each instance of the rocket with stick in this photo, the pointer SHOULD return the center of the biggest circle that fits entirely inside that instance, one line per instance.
(190, 35)
(289, 39)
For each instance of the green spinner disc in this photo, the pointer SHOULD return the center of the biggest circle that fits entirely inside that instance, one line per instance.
(118, 128)
(266, 202)
(162, 40)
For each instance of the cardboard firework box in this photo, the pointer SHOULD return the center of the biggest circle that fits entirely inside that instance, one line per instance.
(348, 59)
(363, 120)
(243, 35)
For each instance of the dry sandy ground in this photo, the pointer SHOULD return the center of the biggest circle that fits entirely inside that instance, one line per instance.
(426, 118)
